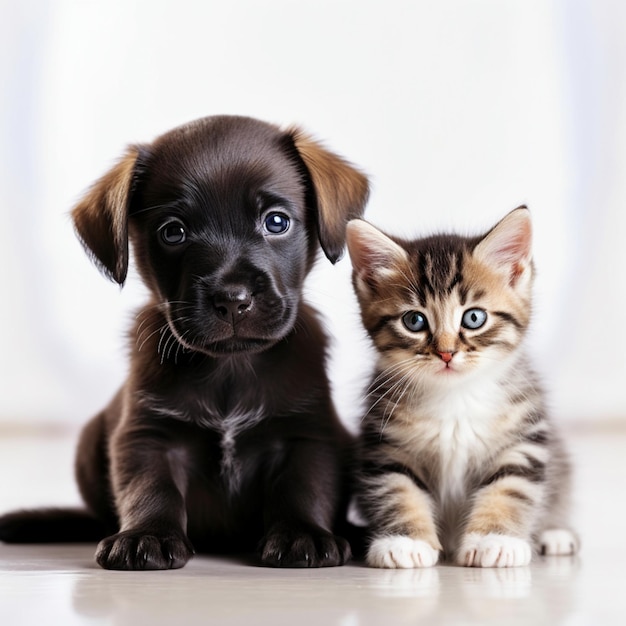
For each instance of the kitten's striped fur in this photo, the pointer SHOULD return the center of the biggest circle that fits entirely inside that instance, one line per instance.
(458, 455)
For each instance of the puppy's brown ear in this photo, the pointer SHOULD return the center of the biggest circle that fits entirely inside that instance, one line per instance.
(101, 218)
(340, 192)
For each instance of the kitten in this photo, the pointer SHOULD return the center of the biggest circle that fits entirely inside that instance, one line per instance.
(458, 457)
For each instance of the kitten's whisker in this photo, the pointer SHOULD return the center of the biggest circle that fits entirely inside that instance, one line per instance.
(394, 404)
(389, 373)
(388, 391)
(403, 381)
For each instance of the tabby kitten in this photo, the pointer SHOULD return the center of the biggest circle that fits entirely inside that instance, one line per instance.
(458, 457)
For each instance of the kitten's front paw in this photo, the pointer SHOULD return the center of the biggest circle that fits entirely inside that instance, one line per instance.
(399, 551)
(493, 550)
(558, 542)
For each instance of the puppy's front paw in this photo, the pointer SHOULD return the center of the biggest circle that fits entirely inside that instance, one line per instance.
(140, 550)
(399, 551)
(558, 542)
(291, 546)
(493, 550)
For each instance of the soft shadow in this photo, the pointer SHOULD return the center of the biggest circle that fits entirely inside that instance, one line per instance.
(543, 593)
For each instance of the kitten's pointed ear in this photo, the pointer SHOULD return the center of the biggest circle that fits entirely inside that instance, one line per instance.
(374, 256)
(340, 192)
(101, 217)
(507, 246)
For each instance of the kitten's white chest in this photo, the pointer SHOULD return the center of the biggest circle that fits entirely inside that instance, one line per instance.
(461, 444)
(466, 424)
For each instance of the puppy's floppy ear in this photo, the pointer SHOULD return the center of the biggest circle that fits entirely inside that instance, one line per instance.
(101, 217)
(340, 192)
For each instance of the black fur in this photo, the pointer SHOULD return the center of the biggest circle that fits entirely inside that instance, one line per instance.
(224, 436)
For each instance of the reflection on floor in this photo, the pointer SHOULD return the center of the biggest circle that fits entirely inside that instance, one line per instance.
(61, 584)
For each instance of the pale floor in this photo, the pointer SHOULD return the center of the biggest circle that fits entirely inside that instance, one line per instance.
(62, 585)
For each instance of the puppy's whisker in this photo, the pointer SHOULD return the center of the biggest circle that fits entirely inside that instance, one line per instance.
(164, 334)
(160, 329)
(167, 348)
(180, 346)
(301, 327)
(199, 423)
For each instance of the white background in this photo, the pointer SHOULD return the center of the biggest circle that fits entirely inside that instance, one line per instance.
(459, 110)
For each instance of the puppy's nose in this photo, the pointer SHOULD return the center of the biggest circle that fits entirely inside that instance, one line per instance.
(232, 302)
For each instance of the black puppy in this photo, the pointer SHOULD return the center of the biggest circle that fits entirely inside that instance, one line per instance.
(224, 435)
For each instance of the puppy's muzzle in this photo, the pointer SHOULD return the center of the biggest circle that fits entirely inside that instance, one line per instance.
(243, 308)
(233, 302)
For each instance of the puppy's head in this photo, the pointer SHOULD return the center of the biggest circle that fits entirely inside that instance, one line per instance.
(225, 216)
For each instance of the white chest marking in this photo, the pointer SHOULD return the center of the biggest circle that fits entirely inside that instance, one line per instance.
(466, 423)
(229, 426)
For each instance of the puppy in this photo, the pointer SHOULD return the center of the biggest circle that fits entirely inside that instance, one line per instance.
(224, 436)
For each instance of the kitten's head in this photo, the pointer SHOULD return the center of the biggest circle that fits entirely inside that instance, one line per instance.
(445, 306)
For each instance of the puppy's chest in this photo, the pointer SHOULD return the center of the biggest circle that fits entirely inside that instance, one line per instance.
(225, 426)
(230, 428)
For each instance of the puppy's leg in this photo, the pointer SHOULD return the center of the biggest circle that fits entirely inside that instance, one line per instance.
(301, 508)
(149, 480)
(92, 470)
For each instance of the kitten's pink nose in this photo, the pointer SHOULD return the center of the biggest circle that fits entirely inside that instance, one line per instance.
(446, 357)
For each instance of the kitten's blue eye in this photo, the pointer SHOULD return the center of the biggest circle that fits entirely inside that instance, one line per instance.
(173, 233)
(474, 318)
(276, 223)
(415, 321)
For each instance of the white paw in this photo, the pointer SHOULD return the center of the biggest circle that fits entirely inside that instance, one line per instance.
(399, 551)
(493, 550)
(558, 542)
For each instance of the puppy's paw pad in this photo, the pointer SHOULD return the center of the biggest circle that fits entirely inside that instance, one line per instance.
(399, 551)
(132, 550)
(558, 542)
(493, 550)
(303, 547)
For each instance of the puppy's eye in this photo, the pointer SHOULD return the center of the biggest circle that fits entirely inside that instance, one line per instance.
(173, 233)
(276, 223)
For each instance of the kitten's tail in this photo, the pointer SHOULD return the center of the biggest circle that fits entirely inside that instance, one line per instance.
(51, 526)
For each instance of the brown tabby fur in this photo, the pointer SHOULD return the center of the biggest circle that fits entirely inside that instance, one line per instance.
(458, 454)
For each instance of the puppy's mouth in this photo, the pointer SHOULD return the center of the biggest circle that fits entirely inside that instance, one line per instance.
(227, 337)
(238, 346)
